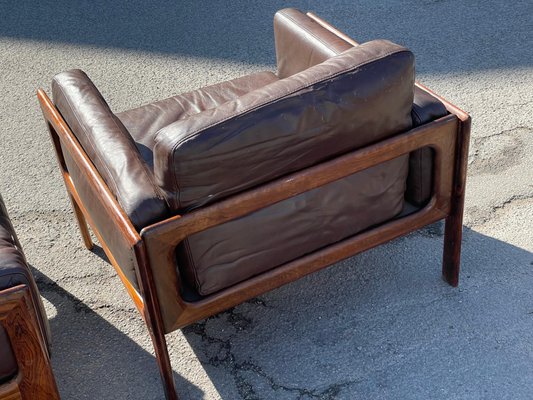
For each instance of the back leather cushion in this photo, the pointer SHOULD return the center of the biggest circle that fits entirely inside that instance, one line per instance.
(301, 42)
(356, 98)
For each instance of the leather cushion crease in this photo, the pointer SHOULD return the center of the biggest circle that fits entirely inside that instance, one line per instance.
(226, 254)
(302, 42)
(143, 122)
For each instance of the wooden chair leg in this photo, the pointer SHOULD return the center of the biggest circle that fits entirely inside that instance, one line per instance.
(453, 231)
(163, 360)
(452, 249)
(154, 322)
(82, 223)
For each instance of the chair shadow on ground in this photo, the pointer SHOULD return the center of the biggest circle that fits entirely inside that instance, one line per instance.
(103, 362)
(382, 323)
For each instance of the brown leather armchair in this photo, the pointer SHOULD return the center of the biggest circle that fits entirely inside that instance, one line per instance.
(212, 197)
(25, 370)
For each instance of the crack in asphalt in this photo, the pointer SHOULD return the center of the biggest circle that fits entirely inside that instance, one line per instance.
(510, 131)
(491, 213)
(511, 199)
(225, 358)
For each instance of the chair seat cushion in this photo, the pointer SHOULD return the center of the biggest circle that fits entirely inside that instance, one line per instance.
(143, 122)
(14, 270)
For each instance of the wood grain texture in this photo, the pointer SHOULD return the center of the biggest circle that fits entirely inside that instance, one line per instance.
(82, 223)
(10, 390)
(35, 379)
(154, 322)
(453, 231)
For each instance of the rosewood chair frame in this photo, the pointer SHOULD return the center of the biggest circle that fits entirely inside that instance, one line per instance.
(154, 246)
(34, 379)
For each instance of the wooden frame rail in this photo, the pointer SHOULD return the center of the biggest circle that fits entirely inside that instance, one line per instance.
(162, 238)
(34, 379)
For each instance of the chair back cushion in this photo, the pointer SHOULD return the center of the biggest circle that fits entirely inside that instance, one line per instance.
(301, 42)
(359, 97)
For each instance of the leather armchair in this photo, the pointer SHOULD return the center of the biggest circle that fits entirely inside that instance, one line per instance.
(25, 371)
(206, 199)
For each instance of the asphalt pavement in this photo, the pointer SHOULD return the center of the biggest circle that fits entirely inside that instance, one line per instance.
(380, 325)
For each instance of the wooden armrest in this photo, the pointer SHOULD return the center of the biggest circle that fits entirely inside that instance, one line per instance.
(34, 379)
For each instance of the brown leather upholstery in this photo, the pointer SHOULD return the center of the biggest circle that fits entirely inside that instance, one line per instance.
(8, 363)
(426, 108)
(115, 155)
(231, 252)
(348, 101)
(14, 271)
(110, 147)
(143, 122)
(356, 98)
(301, 42)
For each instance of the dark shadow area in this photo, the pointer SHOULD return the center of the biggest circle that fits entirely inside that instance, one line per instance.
(447, 36)
(94, 360)
(98, 251)
(383, 325)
